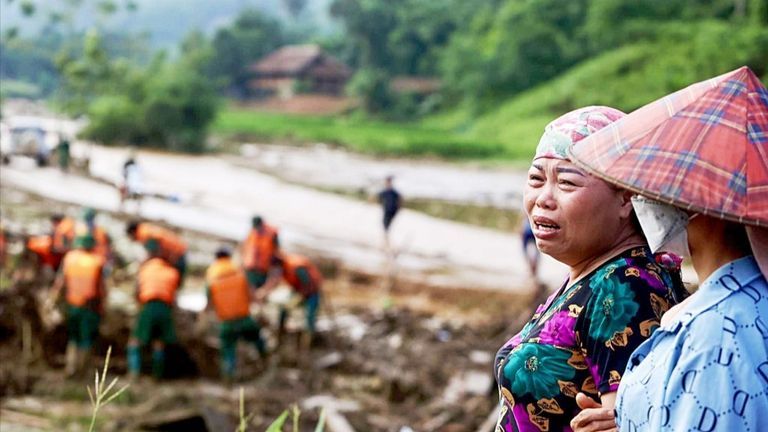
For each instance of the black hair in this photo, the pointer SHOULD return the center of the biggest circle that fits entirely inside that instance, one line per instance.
(736, 233)
(132, 227)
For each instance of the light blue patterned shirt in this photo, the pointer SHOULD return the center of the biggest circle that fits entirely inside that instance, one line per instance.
(706, 370)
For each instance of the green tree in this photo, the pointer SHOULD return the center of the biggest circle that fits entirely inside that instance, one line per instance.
(197, 53)
(395, 37)
(164, 104)
(758, 12)
(422, 31)
(507, 49)
(87, 76)
(180, 105)
(113, 120)
(29, 61)
(371, 86)
(38, 60)
(249, 38)
(369, 23)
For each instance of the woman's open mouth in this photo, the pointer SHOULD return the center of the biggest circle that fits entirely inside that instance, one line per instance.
(544, 228)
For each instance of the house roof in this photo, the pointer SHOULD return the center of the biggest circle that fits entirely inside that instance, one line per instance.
(295, 59)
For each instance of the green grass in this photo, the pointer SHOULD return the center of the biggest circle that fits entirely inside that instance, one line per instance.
(362, 135)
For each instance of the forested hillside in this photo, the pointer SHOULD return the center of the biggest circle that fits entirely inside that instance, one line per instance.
(505, 67)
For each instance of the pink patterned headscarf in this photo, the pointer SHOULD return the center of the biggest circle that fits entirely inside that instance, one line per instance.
(572, 127)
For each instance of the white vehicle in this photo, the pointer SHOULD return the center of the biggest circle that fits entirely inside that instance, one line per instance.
(26, 136)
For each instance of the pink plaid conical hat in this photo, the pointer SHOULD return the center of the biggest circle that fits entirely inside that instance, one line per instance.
(703, 148)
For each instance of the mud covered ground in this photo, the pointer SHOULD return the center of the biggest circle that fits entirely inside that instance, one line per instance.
(389, 357)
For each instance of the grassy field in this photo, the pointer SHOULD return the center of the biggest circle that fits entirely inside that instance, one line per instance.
(362, 135)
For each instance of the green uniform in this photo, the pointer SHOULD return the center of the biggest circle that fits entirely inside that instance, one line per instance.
(311, 302)
(229, 333)
(256, 278)
(155, 322)
(82, 326)
(244, 328)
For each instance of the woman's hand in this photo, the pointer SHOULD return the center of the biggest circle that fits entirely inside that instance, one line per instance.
(595, 417)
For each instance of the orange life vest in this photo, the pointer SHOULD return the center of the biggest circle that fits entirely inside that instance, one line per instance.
(82, 276)
(63, 235)
(228, 289)
(172, 247)
(259, 248)
(292, 263)
(42, 246)
(158, 280)
(102, 243)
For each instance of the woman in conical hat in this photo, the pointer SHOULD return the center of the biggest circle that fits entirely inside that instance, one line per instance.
(698, 161)
(580, 339)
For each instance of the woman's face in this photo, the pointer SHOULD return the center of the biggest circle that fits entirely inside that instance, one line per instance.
(574, 216)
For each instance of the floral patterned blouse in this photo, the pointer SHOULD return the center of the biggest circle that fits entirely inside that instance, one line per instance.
(581, 339)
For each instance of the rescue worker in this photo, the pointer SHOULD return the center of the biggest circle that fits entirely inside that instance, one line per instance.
(172, 248)
(305, 280)
(82, 279)
(257, 251)
(63, 233)
(229, 295)
(48, 250)
(42, 248)
(103, 244)
(156, 289)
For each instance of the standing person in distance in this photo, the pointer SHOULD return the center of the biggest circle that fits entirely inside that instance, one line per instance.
(391, 201)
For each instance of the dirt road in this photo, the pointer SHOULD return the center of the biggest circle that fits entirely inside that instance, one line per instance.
(327, 167)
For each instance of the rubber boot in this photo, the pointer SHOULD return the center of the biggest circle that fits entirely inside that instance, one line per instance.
(70, 358)
(261, 347)
(228, 366)
(84, 358)
(281, 326)
(134, 362)
(158, 362)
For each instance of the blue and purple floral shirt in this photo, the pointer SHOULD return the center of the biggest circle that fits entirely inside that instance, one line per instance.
(580, 340)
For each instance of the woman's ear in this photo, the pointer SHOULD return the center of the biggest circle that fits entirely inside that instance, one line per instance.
(626, 203)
